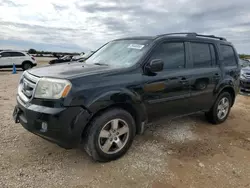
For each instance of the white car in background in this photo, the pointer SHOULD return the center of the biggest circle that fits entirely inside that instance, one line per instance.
(20, 59)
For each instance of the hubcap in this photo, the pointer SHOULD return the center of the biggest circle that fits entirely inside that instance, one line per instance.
(223, 108)
(113, 136)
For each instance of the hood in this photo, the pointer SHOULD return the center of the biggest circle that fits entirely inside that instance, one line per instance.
(69, 70)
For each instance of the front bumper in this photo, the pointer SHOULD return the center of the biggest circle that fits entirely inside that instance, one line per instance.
(245, 87)
(64, 125)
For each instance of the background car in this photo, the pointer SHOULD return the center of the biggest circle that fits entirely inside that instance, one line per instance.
(244, 63)
(20, 59)
(83, 57)
(245, 77)
(63, 59)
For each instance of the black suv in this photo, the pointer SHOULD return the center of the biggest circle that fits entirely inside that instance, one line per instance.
(100, 105)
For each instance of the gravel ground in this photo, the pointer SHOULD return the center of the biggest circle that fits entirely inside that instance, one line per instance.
(185, 152)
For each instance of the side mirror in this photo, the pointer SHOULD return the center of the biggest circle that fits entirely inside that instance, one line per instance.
(156, 65)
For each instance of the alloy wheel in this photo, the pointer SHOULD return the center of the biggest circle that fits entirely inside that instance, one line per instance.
(113, 136)
(223, 108)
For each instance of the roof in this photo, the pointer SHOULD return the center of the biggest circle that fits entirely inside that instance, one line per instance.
(138, 38)
(190, 35)
(12, 51)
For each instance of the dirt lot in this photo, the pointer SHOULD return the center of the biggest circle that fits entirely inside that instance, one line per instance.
(186, 152)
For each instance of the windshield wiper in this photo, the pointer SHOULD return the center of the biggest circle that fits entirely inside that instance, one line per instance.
(101, 64)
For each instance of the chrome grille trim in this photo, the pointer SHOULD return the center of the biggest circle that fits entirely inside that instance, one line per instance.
(246, 74)
(27, 87)
(30, 77)
(30, 84)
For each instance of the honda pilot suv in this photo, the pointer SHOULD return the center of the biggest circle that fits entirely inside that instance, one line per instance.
(101, 104)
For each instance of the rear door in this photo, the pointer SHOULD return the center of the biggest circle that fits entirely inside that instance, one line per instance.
(5, 59)
(206, 74)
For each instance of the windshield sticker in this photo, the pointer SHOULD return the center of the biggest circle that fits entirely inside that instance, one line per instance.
(136, 46)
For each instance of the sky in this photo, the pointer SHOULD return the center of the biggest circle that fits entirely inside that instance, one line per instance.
(83, 25)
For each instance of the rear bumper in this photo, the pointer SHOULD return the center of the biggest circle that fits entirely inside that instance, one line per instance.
(64, 125)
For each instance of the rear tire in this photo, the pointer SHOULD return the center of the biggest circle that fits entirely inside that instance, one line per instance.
(221, 109)
(109, 135)
(26, 66)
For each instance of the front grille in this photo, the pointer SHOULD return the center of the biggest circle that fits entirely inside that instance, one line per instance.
(247, 75)
(27, 86)
(245, 84)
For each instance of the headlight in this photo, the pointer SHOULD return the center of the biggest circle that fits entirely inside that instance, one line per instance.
(49, 88)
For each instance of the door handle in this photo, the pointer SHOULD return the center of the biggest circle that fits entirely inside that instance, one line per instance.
(183, 81)
(216, 76)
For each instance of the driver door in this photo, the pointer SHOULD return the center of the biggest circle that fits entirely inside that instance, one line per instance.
(167, 93)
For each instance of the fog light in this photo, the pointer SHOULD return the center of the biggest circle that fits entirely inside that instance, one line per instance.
(44, 127)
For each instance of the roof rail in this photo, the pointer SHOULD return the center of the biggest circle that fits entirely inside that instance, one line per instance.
(193, 34)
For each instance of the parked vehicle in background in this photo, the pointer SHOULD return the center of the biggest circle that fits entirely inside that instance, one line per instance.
(245, 77)
(20, 59)
(244, 62)
(102, 104)
(63, 59)
(83, 57)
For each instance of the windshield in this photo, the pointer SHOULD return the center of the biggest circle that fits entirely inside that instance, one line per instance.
(120, 53)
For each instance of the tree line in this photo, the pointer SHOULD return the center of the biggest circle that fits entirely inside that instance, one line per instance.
(244, 56)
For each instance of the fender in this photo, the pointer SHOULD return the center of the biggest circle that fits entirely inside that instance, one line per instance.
(116, 97)
(226, 84)
(123, 98)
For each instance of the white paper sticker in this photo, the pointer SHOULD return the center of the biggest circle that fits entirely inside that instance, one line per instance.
(136, 46)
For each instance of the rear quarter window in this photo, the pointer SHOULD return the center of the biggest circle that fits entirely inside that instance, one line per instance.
(16, 54)
(228, 54)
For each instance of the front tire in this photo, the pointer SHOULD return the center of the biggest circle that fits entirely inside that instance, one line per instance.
(221, 109)
(109, 135)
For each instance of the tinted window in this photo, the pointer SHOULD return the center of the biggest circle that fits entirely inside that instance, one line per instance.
(228, 54)
(172, 54)
(201, 55)
(16, 54)
(5, 54)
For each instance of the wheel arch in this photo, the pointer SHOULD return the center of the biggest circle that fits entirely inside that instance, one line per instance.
(230, 90)
(131, 109)
(123, 99)
(27, 61)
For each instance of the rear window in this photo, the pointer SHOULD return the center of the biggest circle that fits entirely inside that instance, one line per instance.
(229, 58)
(202, 56)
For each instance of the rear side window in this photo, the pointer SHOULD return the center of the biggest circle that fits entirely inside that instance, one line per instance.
(16, 54)
(229, 58)
(172, 54)
(202, 56)
(5, 54)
